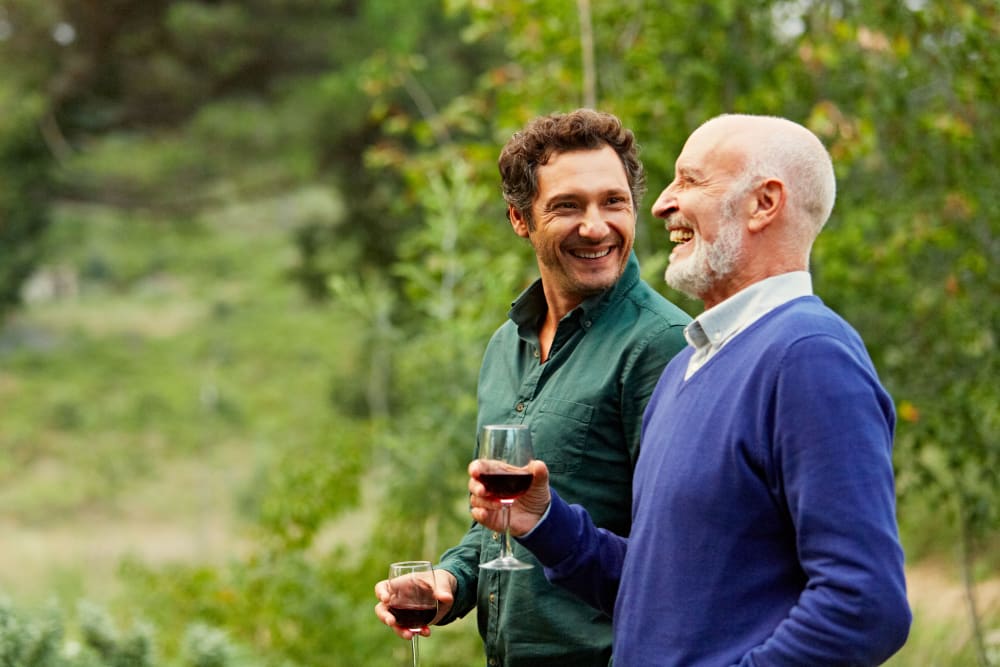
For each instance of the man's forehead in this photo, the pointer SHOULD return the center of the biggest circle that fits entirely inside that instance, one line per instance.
(603, 159)
(581, 152)
(705, 150)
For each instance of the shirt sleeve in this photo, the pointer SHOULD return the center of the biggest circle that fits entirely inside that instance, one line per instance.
(577, 555)
(832, 450)
(462, 560)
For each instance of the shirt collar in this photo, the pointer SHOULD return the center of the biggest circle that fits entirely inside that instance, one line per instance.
(720, 323)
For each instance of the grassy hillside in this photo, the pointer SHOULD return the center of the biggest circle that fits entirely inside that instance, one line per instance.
(157, 369)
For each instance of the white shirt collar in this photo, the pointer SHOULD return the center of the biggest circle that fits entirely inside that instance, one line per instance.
(718, 325)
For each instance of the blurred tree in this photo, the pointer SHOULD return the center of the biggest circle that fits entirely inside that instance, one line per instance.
(25, 166)
(169, 107)
(25, 161)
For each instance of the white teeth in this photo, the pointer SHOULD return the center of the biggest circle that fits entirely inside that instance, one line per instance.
(592, 255)
(681, 235)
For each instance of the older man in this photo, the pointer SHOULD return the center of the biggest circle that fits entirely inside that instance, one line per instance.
(577, 361)
(764, 529)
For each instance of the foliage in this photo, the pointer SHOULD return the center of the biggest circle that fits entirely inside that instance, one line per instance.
(174, 106)
(24, 190)
(44, 641)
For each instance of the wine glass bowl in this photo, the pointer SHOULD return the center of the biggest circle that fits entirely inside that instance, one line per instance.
(411, 597)
(504, 482)
(504, 450)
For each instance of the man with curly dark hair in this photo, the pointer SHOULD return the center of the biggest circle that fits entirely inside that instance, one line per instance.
(577, 362)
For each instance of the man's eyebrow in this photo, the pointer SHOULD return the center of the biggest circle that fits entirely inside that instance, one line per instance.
(557, 197)
(689, 172)
(573, 195)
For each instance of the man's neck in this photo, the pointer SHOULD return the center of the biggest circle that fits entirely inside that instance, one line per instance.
(737, 283)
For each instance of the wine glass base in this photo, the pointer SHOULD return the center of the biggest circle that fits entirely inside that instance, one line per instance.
(507, 563)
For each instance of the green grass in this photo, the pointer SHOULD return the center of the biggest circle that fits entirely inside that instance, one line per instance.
(182, 363)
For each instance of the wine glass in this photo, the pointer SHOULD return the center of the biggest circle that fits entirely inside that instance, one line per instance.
(411, 597)
(504, 450)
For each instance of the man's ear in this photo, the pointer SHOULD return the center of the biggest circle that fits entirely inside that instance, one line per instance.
(517, 221)
(769, 202)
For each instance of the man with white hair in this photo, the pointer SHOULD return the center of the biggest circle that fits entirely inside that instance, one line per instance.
(764, 529)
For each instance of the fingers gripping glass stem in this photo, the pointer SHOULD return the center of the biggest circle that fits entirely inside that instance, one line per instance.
(412, 600)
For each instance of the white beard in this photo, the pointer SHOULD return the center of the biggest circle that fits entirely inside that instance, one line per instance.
(710, 262)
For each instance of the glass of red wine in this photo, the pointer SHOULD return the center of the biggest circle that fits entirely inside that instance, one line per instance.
(504, 450)
(411, 597)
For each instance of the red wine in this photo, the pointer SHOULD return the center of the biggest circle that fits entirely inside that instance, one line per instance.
(413, 618)
(506, 485)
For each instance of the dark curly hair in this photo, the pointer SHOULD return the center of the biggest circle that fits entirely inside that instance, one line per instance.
(583, 129)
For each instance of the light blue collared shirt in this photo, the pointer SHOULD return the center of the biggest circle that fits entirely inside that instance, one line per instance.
(718, 325)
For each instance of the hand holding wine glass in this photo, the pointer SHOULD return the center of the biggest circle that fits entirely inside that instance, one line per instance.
(504, 451)
(526, 511)
(411, 598)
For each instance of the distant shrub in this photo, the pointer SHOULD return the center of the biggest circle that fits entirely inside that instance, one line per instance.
(42, 641)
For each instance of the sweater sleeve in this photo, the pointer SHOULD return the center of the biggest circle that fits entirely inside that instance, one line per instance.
(832, 456)
(577, 555)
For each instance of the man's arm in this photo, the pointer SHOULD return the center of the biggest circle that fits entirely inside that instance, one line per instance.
(833, 449)
(461, 562)
(577, 555)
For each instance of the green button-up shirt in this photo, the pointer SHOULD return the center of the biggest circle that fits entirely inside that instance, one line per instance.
(584, 406)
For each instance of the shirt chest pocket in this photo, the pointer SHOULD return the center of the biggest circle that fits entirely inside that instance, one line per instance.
(559, 433)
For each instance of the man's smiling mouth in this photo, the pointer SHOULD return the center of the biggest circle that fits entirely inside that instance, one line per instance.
(681, 235)
(592, 254)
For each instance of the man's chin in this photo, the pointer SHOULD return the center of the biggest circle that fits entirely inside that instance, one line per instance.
(594, 288)
(594, 285)
(682, 280)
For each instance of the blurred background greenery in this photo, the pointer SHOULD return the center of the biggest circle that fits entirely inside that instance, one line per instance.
(251, 252)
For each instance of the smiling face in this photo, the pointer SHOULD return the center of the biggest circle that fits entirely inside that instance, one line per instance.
(749, 196)
(697, 264)
(704, 208)
(583, 225)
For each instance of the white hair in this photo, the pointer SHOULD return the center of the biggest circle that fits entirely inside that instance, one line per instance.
(785, 150)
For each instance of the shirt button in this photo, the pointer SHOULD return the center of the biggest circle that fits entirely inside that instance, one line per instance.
(493, 597)
(493, 662)
(536, 354)
(496, 536)
(519, 407)
(586, 324)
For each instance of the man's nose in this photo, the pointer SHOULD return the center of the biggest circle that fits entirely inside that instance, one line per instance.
(593, 224)
(665, 204)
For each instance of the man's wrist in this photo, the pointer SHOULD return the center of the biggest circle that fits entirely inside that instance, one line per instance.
(542, 518)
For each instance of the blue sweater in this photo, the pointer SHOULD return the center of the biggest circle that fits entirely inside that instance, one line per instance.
(764, 529)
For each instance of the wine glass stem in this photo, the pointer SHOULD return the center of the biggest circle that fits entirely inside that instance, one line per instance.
(505, 550)
(416, 655)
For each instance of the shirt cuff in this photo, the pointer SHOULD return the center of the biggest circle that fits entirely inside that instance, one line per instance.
(541, 519)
